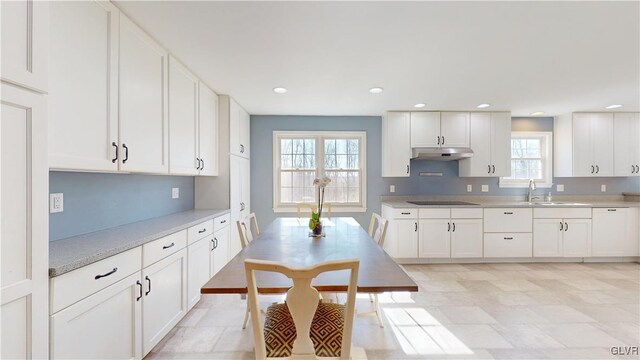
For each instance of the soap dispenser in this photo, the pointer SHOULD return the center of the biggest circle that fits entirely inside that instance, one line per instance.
(548, 197)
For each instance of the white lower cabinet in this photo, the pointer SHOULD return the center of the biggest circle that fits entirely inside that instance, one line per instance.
(561, 237)
(219, 250)
(510, 245)
(466, 238)
(610, 232)
(576, 240)
(165, 298)
(105, 325)
(434, 239)
(406, 233)
(198, 271)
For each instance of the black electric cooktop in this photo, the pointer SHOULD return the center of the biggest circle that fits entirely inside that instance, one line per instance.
(440, 202)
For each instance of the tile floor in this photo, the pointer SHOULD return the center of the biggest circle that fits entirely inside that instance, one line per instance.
(475, 311)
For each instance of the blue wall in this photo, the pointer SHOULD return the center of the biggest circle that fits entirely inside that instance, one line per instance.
(262, 127)
(95, 202)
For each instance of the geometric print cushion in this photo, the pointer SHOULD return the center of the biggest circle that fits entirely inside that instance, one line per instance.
(326, 330)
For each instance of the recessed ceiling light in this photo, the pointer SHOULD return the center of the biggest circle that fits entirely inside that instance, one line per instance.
(482, 106)
(420, 105)
(614, 106)
(376, 90)
(279, 90)
(537, 113)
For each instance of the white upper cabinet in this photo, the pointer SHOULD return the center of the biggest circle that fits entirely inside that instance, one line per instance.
(207, 131)
(439, 129)
(626, 147)
(25, 31)
(83, 97)
(454, 129)
(396, 145)
(425, 129)
(143, 120)
(584, 144)
(490, 140)
(183, 119)
(239, 130)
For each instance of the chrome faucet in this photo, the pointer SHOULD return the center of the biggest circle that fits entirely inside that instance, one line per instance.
(532, 188)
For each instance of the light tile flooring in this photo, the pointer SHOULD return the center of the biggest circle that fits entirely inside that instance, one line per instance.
(475, 311)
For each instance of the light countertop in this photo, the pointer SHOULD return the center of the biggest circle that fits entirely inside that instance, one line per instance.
(400, 202)
(75, 252)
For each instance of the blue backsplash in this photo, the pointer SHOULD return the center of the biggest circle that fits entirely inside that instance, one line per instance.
(95, 201)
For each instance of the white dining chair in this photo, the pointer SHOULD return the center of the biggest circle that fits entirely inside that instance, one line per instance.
(303, 327)
(378, 231)
(246, 236)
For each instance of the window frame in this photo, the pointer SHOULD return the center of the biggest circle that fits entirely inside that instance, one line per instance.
(546, 152)
(319, 137)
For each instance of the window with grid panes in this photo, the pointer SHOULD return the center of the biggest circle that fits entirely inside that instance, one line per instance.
(300, 157)
(530, 159)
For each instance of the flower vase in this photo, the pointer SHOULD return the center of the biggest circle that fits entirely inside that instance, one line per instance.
(317, 230)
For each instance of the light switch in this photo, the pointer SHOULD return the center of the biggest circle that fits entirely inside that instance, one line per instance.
(485, 188)
(392, 188)
(469, 188)
(560, 187)
(175, 193)
(603, 188)
(56, 203)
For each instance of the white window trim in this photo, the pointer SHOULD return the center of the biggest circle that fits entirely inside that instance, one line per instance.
(320, 135)
(547, 137)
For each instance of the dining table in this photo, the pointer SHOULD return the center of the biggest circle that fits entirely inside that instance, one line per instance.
(288, 241)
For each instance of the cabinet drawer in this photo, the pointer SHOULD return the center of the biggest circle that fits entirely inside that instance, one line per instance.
(76, 285)
(434, 213)
(199, 231)
(163, 247)
(466, 213)
(405, 213)
(221, 222)
(508, 245)
(508, 220)
(562, 213)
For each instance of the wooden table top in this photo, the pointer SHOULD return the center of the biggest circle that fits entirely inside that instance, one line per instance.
(286, 240)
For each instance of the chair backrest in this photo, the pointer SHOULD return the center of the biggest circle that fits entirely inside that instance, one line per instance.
(313, 208)
(302, 301)
(244, 229)
(378, 228)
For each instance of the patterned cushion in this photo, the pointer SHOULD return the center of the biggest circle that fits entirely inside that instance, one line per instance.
(326, 330)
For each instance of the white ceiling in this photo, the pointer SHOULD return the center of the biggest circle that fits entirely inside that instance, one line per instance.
(555, 57)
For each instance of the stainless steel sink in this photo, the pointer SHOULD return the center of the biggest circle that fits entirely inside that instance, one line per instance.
(554, 203)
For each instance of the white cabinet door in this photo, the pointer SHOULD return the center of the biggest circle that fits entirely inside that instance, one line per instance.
(454, 129)
(626, 144)
(602, 140)
(106, 325)
(239, 130)
(583, 164)
(143, 120)
(208, 130)
(425, 129)
(245, 133)
(25, 36)
(576, 238)
(480, 142)
(547, 237)
(434, 240)
(219, 250)
(466, 238)
(609, 232)
(198, 269)
(396, 144)
(24, 239)
(406, 235)
(183, 119)
(165, 298)
(83, 85)
(500, 144)
(235, 189)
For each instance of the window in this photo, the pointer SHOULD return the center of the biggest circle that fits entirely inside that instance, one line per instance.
(300, 157)
(531, 158)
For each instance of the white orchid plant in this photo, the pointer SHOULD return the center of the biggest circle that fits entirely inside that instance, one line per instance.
(321, 183)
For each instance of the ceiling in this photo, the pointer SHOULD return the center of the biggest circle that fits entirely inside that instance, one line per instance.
(555, 57)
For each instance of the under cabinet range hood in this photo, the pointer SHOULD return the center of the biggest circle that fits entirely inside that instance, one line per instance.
(440, 154)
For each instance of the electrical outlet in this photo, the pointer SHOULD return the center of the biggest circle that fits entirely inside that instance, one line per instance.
(175, 193)
(560, 188)
(603, 188)
(485, 188)
(56, 203)
(392, 188)
(469, 188)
